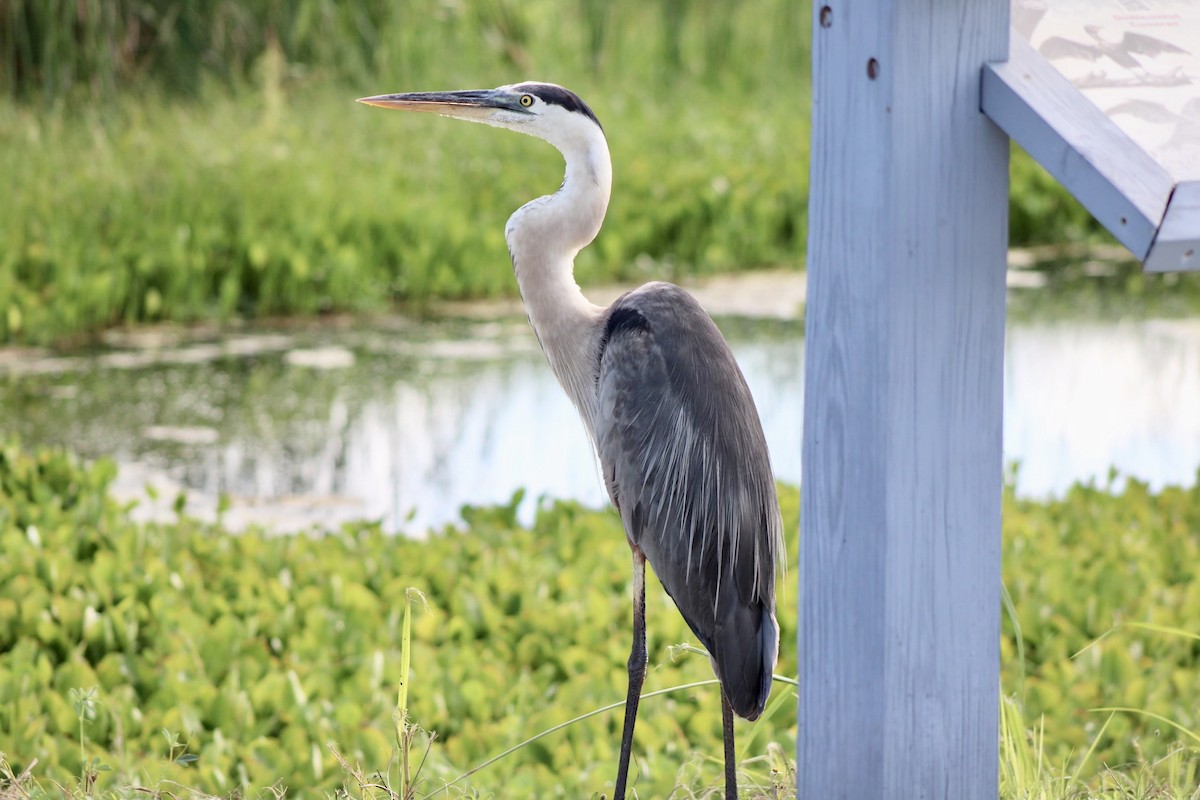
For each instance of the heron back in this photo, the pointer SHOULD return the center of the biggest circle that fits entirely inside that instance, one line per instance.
(686, 463)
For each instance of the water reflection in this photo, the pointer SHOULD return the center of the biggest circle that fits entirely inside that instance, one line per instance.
(1083, 397)
(316, 428)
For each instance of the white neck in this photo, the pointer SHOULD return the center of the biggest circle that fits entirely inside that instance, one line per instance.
(543, 237)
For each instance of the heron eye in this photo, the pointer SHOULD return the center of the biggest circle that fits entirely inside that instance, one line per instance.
(526, 100)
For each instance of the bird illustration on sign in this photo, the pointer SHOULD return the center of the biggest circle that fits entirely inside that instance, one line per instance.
(1122, 57)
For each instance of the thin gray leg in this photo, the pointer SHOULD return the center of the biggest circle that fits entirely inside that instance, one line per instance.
(730, 757)
(637, 669)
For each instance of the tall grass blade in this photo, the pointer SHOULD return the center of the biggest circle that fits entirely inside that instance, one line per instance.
(1092, 749)
(568, 723)
(404, 731)
(1167, 629)
(1011, 610)
(405, 662)
(1146, 626)
(1151, 715)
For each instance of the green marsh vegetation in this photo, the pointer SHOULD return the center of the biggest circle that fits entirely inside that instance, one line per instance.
(223, 171)
(166, 161)
(178, 657)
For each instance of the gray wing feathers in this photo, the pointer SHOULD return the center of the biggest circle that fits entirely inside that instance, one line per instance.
(1148, 45)
(1059, 47)
(686, 464)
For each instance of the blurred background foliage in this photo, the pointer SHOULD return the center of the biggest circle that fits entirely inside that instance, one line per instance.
(184, 161)
(53, 48)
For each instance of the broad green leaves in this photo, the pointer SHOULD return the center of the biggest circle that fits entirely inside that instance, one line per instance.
(258, 653)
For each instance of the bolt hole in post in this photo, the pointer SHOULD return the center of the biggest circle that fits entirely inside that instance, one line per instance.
(872, 69)
(826, 16)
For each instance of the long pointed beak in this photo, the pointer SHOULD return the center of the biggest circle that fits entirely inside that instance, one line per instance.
(474, 104)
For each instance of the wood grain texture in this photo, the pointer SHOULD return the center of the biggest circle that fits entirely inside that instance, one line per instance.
(900, 548)
(1102, 166)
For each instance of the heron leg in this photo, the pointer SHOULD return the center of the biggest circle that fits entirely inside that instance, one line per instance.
(637, 669)
(731, 792)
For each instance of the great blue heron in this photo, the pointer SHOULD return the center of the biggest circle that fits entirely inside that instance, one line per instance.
(667, 409)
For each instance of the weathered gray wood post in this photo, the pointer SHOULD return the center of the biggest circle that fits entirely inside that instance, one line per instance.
(900, 546)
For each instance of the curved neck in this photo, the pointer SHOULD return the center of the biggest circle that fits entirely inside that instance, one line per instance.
(543, 237)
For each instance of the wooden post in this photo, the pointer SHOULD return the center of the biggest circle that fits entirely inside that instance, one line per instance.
(900, 547)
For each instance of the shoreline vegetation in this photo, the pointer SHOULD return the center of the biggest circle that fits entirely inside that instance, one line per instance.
(167, 165)
(181, 657)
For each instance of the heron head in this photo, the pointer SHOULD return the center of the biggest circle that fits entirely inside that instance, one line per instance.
(545, 110)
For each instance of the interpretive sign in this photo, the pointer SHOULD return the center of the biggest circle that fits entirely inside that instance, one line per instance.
(1105, 94)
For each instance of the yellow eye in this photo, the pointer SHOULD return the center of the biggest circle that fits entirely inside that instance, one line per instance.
(526, 100)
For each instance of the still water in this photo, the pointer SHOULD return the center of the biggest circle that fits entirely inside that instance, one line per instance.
(406, 423)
